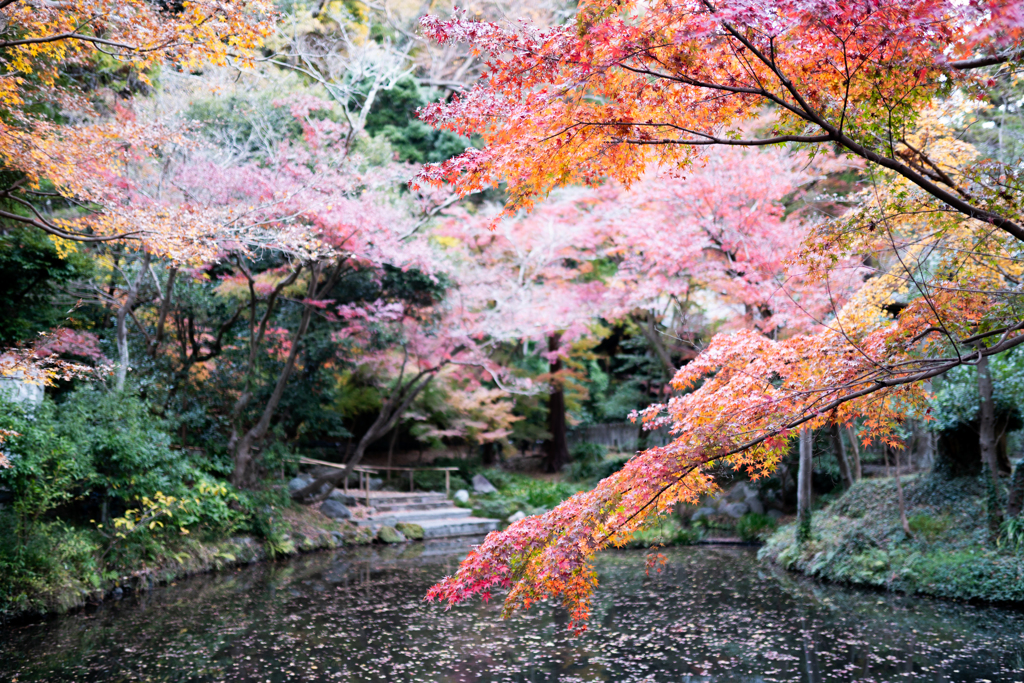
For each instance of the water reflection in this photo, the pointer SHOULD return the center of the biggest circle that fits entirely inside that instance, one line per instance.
(713, 614)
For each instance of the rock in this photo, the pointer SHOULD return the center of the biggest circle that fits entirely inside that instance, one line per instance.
(775, 514)
(702, 512)
(376, 484)
(335, 509)
(117, 593)
(302, 481)
(741, 492)
(299, 482)
(734, 510)
(339, 537)
(462, 496)
(389, 534)
(413, 532)
(516, 517)
(755, 505)
(342, 497)
(481, 485)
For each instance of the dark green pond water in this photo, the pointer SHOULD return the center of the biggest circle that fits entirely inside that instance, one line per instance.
(713, 614)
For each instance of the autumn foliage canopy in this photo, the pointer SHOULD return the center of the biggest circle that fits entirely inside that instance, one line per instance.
(629, 86)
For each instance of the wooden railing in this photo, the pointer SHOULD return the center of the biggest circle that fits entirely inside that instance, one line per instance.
(365, 471)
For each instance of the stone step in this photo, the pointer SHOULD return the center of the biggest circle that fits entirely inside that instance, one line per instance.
(459, 526)
(416, 516)
(399, 508)
(447, 512)
(378, 498)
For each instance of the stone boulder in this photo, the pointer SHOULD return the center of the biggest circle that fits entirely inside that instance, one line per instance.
(342, 497)
(300, 482)
(335, 509)
(389, 534)
(734, 510)
(776, 514)
(755, 505)
(413, 532)
(516, 517)
(701, 513)
(462, 496)
(481, 485)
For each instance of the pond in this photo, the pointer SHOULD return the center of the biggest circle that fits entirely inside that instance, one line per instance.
(712, 614)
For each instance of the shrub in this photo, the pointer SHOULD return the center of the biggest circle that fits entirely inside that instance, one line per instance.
(587, 459)
(927, 526)
(1011, 533)
(755, 527)
(666, 531)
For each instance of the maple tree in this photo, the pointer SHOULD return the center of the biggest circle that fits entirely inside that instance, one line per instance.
(81, 163)
(626, 86)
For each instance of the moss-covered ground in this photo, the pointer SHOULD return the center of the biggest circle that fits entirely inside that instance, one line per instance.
(858, 539)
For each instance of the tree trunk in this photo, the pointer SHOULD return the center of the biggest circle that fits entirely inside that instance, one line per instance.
(121, 373)
(840, 451)
(987, 443)
(165, 307)
(987, 421)
(855, 471)
(390, 413)
(556, 448)
(391, 449)
(803, 484)
(244, 473)
(649, 328)
(899, 495)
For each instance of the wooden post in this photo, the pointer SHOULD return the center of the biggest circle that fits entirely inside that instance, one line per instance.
(366, 478)
(447, 484)
(412, 487)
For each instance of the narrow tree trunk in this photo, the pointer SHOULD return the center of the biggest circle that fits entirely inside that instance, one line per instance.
(391, 449)
(987, 421)
(165, 307)
(390, 413)
(649, 327)
(899, 495)
(855, 471)
(803, 484)
(121, 373)
(244, 473)
(556, 447)
(840, 449)
(988, 444)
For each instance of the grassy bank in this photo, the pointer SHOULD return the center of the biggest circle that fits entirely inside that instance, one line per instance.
(59, 567)
(858, 539)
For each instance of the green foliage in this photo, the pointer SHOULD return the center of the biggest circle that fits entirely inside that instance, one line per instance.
(33, 269)
(432, 480)
(587, 459)
(41, 564)
(666, 530)
(948, 555)
(591, 464)
(393, 117)
(517, 492)
(1011, 533)
(923, 524)
(414, 532)
(755, 527)
(956, 399)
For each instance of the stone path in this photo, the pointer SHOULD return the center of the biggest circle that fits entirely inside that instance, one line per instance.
(438, 516)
